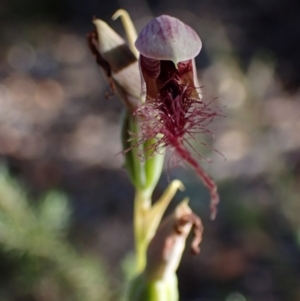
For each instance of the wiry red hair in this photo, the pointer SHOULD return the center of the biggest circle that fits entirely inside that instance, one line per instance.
(176, 115)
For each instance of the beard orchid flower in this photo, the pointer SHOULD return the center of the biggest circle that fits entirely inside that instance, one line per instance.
(173, 111)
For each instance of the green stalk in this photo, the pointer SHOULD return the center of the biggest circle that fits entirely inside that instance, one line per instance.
(142, 205)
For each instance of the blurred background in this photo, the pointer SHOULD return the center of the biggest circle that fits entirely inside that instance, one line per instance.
(65, 199)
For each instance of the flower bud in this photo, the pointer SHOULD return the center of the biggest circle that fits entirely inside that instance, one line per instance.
(118, 62)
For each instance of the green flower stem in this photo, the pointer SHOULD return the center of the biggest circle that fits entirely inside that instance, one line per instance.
(144, 289)
(142, 205)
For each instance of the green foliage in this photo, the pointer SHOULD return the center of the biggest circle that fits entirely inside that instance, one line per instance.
(33, 243)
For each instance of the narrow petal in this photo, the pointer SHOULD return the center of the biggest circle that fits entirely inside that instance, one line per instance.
(189, 76)
(150, 70)
(129, 29)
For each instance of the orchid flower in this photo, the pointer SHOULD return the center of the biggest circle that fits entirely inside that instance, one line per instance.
(163, 109)
(173, 110)
(119, 62)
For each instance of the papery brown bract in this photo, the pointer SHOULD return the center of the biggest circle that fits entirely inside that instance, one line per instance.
(118, 63)
(166, 248)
